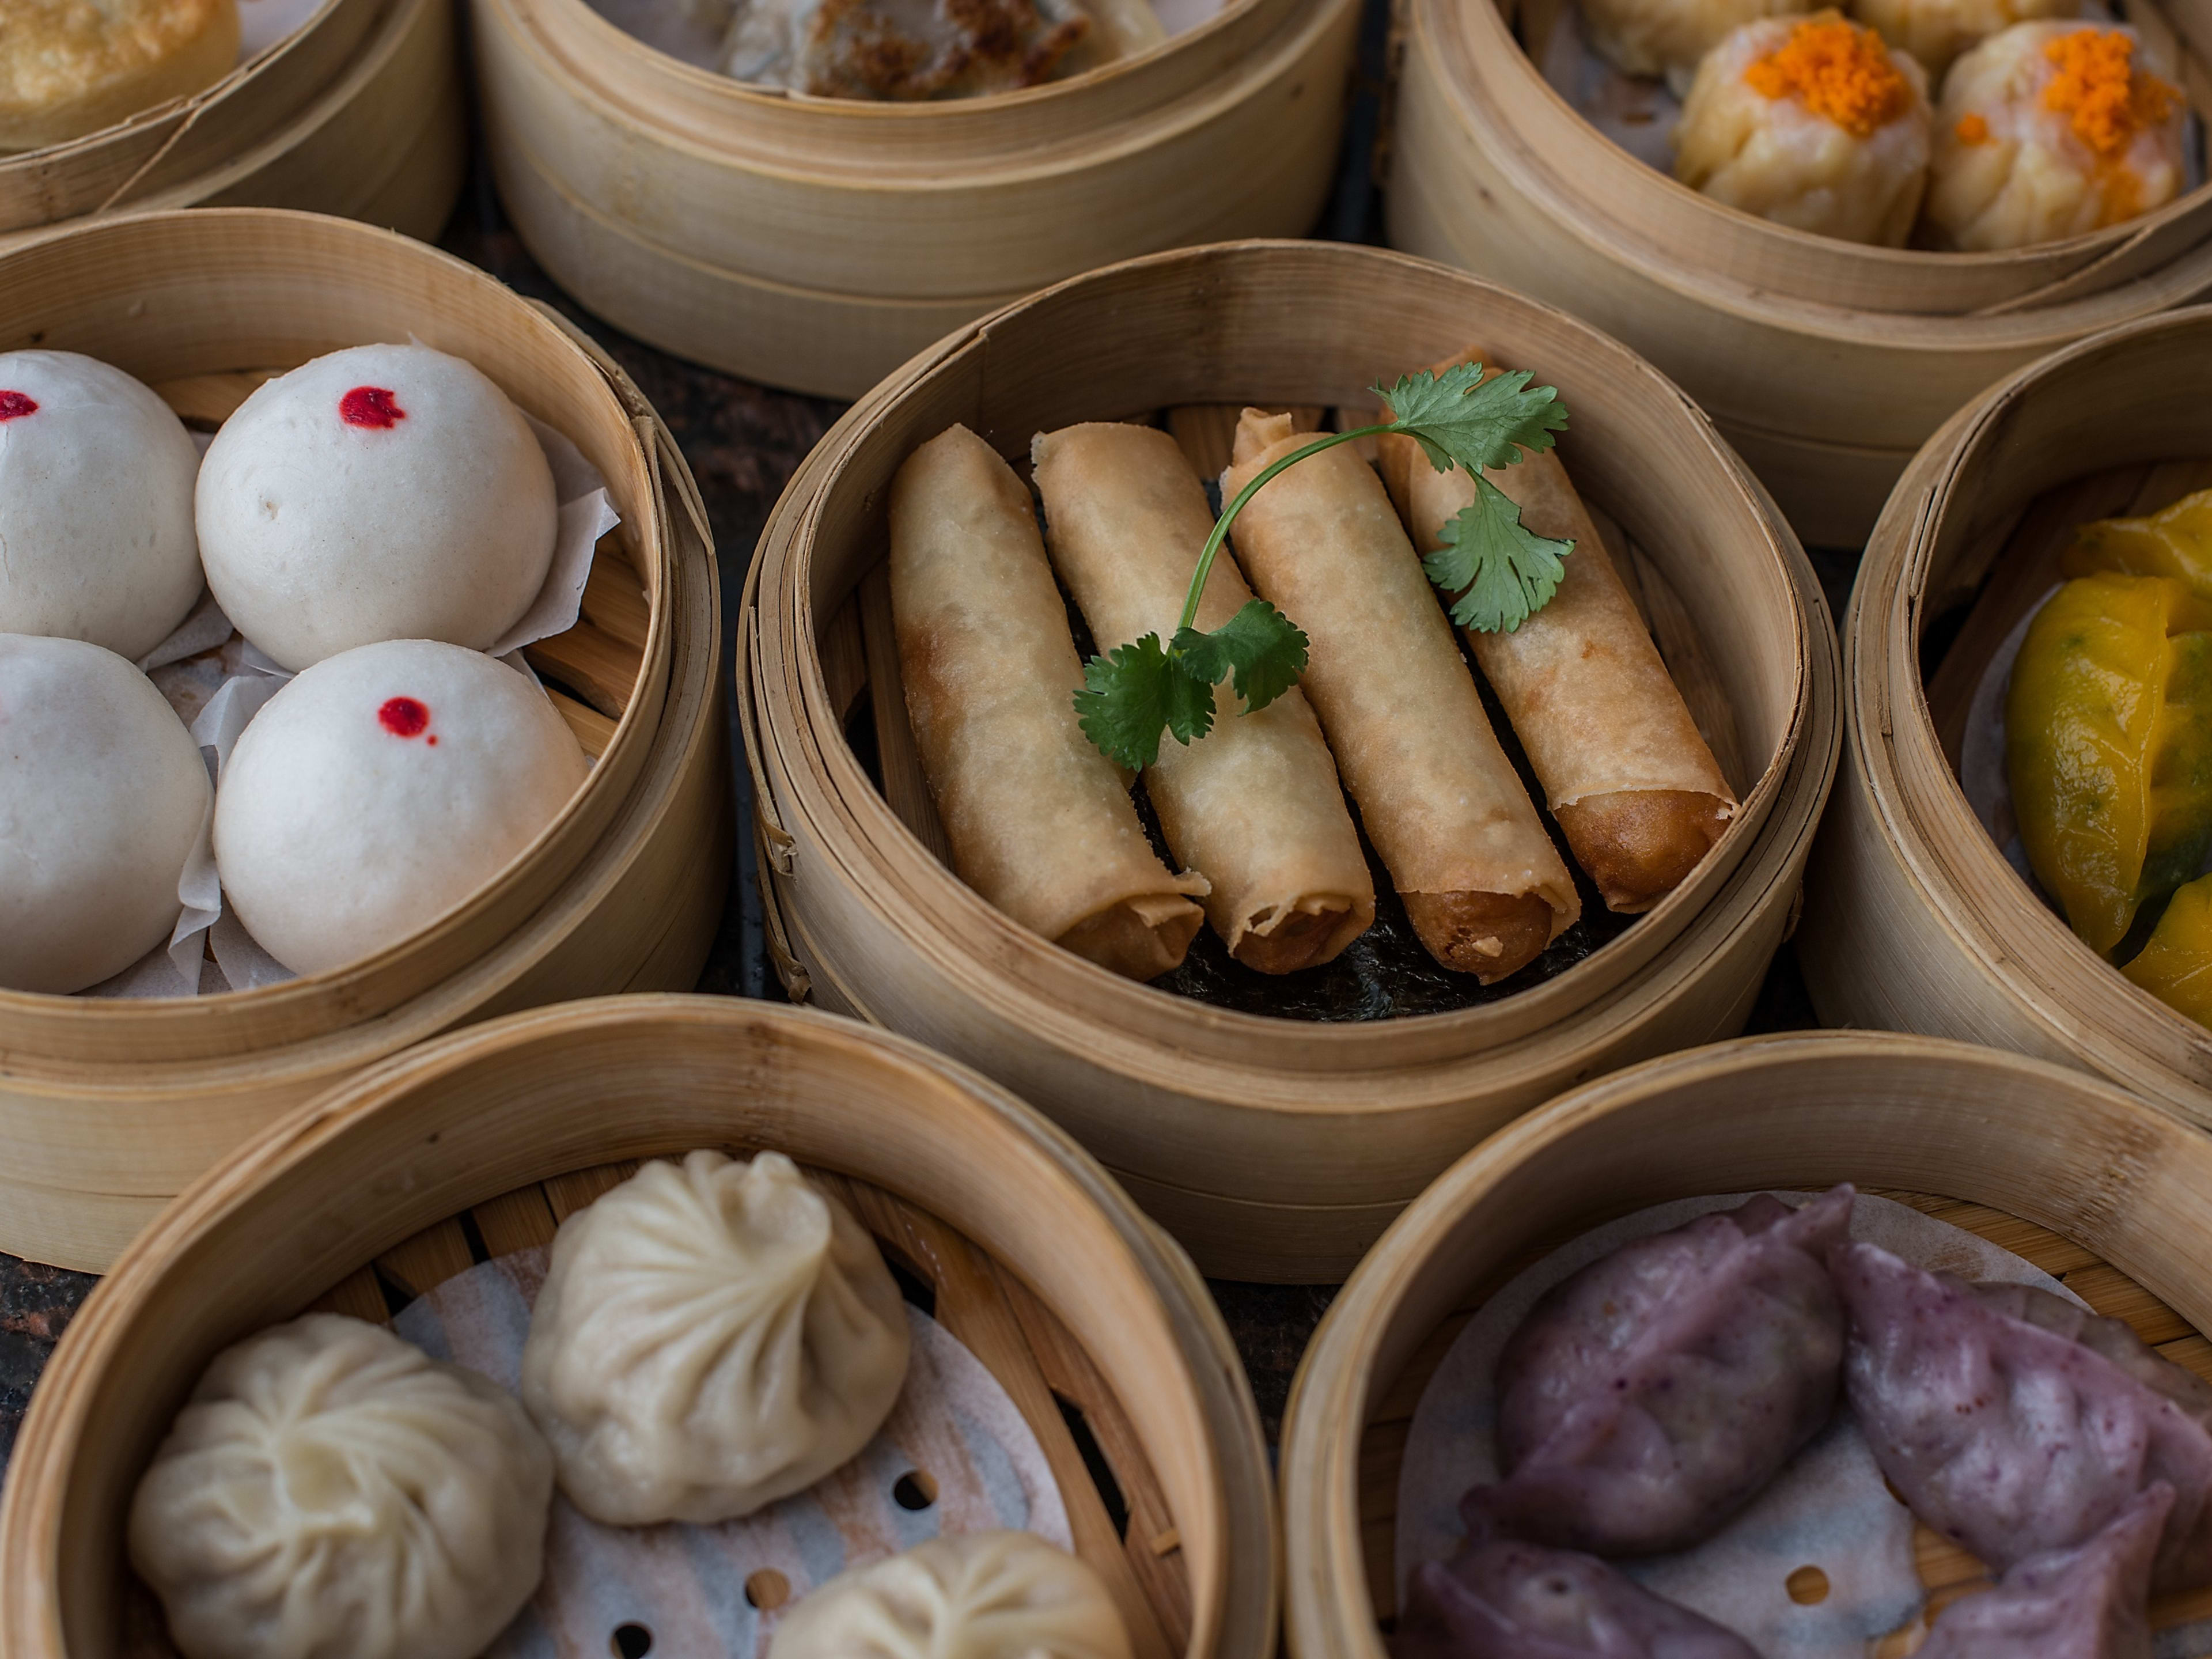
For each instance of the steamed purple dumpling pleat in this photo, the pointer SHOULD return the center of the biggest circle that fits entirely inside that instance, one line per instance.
(1508, 1600)
(2016, 1424)
(1654, 1394)
(2088, 1602)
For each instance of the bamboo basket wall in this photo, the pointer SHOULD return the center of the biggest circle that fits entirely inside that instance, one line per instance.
(108, 1107)
(1272, 1148)
(1825, 364)
(1914, 920)
(2086, 1182)
(817, 243)
(358, 113)
(1037, 1262)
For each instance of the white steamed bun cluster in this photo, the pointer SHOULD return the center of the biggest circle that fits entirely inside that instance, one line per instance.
(376, 517)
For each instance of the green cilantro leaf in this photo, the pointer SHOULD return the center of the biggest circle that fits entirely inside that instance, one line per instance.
(1264, 649)
(1500, 568)
(1461, 419)
(1132, 693)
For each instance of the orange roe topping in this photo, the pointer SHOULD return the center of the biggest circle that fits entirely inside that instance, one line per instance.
(2108, 100)
(1973, 130)
(1837, 70)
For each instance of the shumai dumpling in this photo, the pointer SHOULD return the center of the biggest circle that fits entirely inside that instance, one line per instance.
(1814, 123)
(2048, 130)
(1936, 31)
(1651, 1395)
(1507, 1599)
(2089, 1602)
(1670, 37)
(2015, 1422)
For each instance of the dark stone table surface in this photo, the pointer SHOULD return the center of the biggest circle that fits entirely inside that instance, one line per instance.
(743, 442)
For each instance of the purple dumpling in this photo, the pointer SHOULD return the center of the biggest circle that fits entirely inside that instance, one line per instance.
(2016, 1424)
(1508, 1600)
(1648, 1398)
(2089, 1602)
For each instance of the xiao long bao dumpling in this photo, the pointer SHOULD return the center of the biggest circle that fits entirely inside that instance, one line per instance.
(331, 1490)
(711, 1337)
(381, 788)
(1814, 124)
(95, 504)
(386, 492)
(1936, 31)
(1506, 1599)
(103, 796)
(980, 1596)
(1671, 37)
(2051, 130)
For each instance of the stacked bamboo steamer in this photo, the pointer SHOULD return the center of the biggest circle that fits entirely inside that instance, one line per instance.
(1272, 1148)
(357, 112)
(1914, 919)
(475, 1145)
(817, 243)
(109, 1107)
(1827, 363)
(2081, 1179)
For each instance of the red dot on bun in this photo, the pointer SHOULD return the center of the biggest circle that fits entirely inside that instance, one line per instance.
(13, 404)
(403, 717)
(371, 406)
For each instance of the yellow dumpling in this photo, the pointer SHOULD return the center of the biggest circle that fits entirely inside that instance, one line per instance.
(1671, 37)
(2176, 966)
(2051, 130)
(1936, 31)
(1813, 123)
(2175, 541)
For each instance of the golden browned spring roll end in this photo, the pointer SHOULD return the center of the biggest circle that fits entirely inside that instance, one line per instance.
(1489, 935)
(1140, 937)
(1311, 934)
(1639, 845)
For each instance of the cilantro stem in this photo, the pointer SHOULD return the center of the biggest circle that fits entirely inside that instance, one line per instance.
(1229, 514)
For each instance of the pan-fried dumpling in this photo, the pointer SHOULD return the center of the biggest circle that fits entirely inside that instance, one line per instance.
(330, 1490)
(1670, 37)
(1507, 1599)
(1814, 124)
(2051, 130)
(2090, 1602)
(1936, 31)
(978, 1596)
(1648, 1397)
(710, 1338)
(2016, 1424)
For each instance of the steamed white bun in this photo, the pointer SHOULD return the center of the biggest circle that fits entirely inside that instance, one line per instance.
(386, 492)
(102, 798)
(332, 1491)
(977, 1595)
(95, 504)
(710, 1338)
(379, 789)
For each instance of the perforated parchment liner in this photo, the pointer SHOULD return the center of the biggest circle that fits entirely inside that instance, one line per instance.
(955, 1456)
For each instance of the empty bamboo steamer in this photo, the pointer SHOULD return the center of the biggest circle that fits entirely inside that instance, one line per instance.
(1825, 364)
(817, 243)
(357, 112)
(1914, 920)
(477, 1145)
(1273, 1148)
(2083, 1180)
(109, 1107)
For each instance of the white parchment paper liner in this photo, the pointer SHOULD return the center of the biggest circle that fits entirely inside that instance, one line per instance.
(1828, 1508)
(685, 1585)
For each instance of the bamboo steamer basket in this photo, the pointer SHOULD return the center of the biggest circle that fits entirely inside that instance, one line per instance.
(357, 112)
(109, 1107)
(1825, 364)
(817, 243)
(1915, 920)
(477, 1145)
(2086, 1182)
(1272, 1148)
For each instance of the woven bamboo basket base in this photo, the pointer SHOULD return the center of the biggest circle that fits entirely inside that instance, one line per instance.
(1947, 1571)
(1115, 1508)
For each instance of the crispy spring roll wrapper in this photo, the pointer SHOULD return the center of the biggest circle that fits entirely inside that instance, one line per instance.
(1041, 822)
(1482, 883)
(1633, 785)
(1256, 803)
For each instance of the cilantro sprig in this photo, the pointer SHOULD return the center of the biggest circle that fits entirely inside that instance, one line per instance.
(1499, 571)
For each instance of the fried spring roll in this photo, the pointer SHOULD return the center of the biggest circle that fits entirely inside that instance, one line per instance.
(1632, 784)
(1255, 803)
(1484, 887)
(1041, 822)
